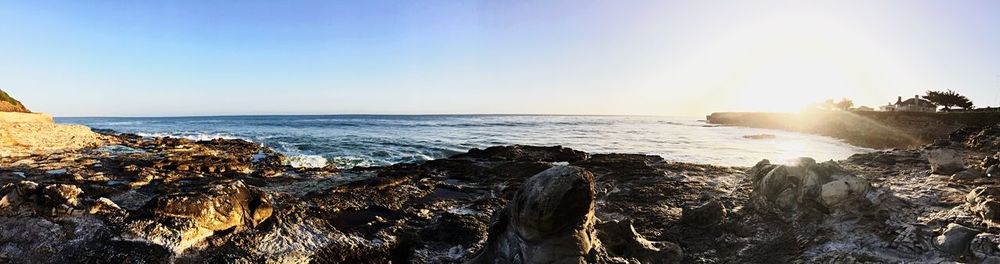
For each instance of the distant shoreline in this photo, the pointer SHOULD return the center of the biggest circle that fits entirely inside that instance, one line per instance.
(863, 128)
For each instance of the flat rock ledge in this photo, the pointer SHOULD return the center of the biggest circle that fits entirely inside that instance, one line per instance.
(26, 134)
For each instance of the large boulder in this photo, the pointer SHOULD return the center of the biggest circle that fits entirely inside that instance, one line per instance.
(550, 220)
(181, 220)
(955, 239)
(807, 186)
(218, 207)
(945, 161)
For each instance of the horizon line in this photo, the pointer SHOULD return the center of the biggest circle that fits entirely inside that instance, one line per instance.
(390, 114)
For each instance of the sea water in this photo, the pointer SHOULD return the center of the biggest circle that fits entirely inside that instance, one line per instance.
(370, 140)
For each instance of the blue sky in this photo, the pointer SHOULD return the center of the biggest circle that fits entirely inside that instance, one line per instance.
(168, 58)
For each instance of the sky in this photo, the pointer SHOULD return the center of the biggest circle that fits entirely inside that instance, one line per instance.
(677, 58)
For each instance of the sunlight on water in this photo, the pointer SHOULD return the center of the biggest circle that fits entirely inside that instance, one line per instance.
(362, 140)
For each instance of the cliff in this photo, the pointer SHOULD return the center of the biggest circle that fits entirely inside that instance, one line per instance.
(9, 104)
(868, 129)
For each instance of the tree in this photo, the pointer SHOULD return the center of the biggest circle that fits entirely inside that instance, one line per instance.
(844, 104)
(947, 99)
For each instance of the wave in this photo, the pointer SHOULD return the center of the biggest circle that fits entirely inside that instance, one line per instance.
(196, 136)
(305, 161)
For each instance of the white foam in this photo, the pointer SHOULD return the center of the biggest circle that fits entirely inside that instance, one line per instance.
(305, 161)
(192, 136)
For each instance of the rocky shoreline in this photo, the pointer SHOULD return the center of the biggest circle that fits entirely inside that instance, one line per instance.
(864, 128)
(167, 200)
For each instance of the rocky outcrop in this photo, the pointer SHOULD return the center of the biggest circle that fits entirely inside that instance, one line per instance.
(945, 161)
(24, 134)
(551, 220)
(808, 187)
(149, 200)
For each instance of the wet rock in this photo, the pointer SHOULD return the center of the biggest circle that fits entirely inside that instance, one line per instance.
(955, 239)
(621, 239)
(704, 215)
(551, 220)
(807, 186)
(945, 161)
(525, 153)
(993, 171)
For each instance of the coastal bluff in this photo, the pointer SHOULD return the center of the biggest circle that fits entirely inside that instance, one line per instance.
(24, 134)
(864, 128)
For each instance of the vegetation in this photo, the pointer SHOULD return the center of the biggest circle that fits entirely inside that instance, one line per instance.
(830, 105)
(947, 99)
(4, 97)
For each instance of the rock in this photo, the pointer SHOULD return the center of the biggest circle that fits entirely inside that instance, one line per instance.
(955, 239)
(993, 171)
(621, 239)
(550, 220)
(29, 198)
(18, 198)
(985, 203)
(218, 207)
(945, 161)
(104, 206)
(967, 174)
(806, 185)
(705, 215)
(525, 153)
(986, 247)
(760, 136)
(989, 161)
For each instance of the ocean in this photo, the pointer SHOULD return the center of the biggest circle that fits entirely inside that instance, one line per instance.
(371, 140)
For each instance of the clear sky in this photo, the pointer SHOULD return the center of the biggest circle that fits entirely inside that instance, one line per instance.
(166, 58)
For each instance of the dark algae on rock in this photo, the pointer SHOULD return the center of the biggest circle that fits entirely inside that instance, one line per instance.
(167, 200)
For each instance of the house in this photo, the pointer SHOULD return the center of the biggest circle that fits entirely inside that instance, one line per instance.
(914, 104)
(864, 109)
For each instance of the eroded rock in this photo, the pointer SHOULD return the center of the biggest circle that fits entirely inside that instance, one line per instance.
(551, 220)
(807, 186)
(955, 239)
(945, 161)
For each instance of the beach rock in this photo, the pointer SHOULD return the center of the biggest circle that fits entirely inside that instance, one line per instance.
(807, 186)
(550, 220)
(525, 153)
(183, 219)
(704, 215)
(967, 174)
(985, 203)
(986, 247)
(218, 207)
(18, 198)
(955, 239)
(993, 171)
(945, 161)
(621, 239)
